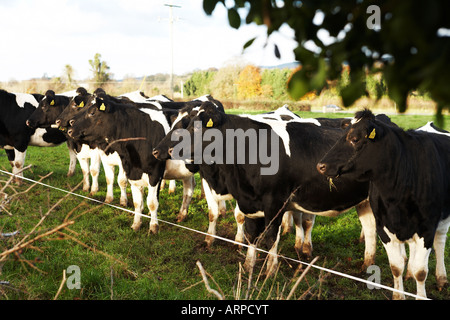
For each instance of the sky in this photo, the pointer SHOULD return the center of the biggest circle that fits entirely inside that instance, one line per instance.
(41, 37)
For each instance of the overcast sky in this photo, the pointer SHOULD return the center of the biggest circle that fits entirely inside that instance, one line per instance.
(41, 37)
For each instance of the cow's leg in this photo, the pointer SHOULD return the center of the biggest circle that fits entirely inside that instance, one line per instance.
(439, 247)
(137, 191)
(152, 204)
(240, 219)
(367, 220)
(272, 232)
(94, 169)
(272, 258)
(304, 223)
(73, 161)
(253, 228)
(419, 263)
(299, 232)
(163, 184)
(109, 175)
(397, 264)
(172, 186)
(122, 181)
(10, 152)
(213, 213)
(287, 222)
(84, 164)
(188, 191)
(222, 207)
(17, 165)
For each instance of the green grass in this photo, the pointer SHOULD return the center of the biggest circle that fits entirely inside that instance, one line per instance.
(116, 262)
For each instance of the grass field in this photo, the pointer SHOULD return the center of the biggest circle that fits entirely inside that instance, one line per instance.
(117, 263)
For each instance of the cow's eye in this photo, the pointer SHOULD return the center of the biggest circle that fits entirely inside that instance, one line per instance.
(354, 141)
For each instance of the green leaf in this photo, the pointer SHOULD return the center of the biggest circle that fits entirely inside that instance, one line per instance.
(209, 6)
(249, 43)
(233, 18)
(353, 92)
(319, 77)
(399, 93)
(308, 78)
(298, 85)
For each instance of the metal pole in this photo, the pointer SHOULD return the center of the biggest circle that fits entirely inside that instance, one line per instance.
(171, 44)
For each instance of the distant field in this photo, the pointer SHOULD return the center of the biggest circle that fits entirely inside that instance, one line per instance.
(117, 263)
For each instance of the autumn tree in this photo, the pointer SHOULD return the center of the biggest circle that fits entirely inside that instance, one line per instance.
(249, 83)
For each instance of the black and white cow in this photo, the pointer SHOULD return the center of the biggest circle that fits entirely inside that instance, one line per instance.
(16, 136)
(409, 174)
(265, 188)
(133, 132)
(216, 198)
(50, 108)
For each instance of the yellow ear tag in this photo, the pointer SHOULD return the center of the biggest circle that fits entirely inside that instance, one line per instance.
(210, 123)
(81, 105)
(102, 107)
(52, 103)
(372, 134)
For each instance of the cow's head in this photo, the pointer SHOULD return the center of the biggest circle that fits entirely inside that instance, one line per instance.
(191, 122)
(76, 105)
(48, 110)
(93, 123)
(355, 153)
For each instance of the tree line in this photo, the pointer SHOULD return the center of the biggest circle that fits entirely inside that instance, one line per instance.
(253, 83)
(239, 83)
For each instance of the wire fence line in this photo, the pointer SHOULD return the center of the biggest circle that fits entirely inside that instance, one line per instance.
(338, 273)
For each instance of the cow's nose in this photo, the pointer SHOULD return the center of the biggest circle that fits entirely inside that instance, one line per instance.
(170, 151)
(155, 153)
(71, 122)
(321, 167)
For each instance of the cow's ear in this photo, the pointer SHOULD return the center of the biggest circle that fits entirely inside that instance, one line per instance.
(102, 105)
(50, 96)
(211, 120)
(78, 101)
(211, 117)
(374, 133)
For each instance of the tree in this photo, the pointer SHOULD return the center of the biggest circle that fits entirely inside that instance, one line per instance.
(249, 83)
(224, 83)
(68, 73)
(408, 41)
(276, 79)
(198, 83)
(99, 70)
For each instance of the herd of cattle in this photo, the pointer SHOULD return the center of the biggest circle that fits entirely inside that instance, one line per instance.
(397, 180)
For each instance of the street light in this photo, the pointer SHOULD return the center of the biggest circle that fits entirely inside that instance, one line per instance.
(171, 6)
